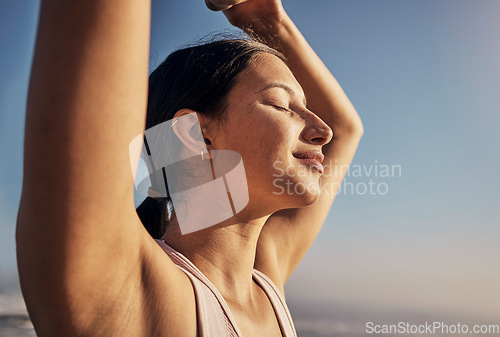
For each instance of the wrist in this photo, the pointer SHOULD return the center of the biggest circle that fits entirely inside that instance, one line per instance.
(269, 27)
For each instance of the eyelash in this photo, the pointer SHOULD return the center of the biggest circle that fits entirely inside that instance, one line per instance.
(281, 108)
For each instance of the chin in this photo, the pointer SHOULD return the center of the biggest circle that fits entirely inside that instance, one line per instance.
(309, 198)
(297, 193)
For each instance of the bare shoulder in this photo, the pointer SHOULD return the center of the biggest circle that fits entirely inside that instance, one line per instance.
(160, 297)
(139, 293)
(168, 303)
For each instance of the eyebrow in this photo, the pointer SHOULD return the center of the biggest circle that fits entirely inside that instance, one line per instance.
(284, 87)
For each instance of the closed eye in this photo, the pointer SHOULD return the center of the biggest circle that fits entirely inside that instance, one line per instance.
(281, 108)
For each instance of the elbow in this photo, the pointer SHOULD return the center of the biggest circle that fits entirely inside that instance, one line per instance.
(359, 129)
(357, 126)
(353, 129)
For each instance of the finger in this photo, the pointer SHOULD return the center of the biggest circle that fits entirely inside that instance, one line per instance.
(214, 6)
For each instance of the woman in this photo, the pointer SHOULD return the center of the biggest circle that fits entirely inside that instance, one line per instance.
(87, 265)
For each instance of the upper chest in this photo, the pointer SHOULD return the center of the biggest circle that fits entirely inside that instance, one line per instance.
(259, 321)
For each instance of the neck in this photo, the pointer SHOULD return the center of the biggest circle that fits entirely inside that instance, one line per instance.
(224, 253)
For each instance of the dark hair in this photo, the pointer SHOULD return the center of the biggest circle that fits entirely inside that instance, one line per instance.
(197, 78)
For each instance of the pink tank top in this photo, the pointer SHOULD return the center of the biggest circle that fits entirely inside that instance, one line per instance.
(213, 315)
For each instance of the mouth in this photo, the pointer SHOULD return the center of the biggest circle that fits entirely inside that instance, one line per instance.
(312, 159)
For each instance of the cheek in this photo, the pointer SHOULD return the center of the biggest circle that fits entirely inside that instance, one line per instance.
(262, 137)
(272, 140)
(266, 145)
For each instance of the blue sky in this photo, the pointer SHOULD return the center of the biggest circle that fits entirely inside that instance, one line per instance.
(424, 76)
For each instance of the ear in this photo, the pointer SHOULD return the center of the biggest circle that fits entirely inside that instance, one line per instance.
(187, 127)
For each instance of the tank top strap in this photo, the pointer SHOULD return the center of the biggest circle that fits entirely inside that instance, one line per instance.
(197, 277)
(211, 304)
(278, 302)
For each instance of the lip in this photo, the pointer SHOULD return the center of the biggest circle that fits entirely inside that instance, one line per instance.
(312, 158)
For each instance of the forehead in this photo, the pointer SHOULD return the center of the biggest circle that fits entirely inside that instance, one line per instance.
(266, 70)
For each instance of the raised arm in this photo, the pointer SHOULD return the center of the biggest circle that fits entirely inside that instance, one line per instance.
(78, 236)
(288, 234)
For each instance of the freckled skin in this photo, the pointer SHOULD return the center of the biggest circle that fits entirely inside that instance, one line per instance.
(64, 235)
(264, 134)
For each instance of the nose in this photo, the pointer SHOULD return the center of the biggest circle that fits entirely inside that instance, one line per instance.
(316, 131)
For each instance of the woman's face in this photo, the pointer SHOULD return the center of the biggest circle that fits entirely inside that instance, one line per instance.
(269, 125)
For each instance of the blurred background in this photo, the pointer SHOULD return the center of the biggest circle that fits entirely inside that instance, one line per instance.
(413, 235)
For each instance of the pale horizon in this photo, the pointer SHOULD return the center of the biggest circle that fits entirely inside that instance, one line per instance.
(424, 77)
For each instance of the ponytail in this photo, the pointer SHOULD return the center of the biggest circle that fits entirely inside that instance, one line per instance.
(154, 216)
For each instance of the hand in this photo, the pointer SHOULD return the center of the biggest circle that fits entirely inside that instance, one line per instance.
(220, 5)
(244, 13)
